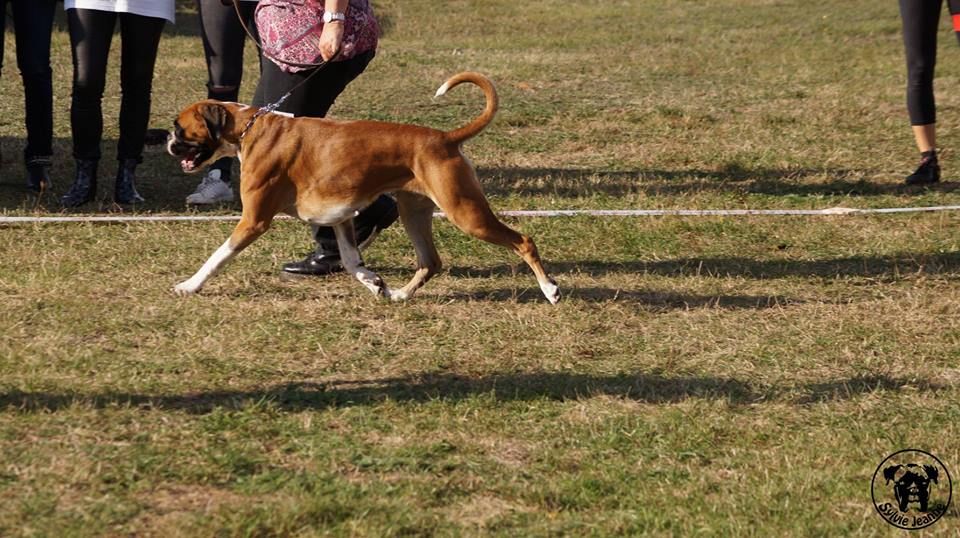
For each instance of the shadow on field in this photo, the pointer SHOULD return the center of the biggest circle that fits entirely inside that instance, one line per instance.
(159, 179)
(892, 265)
(650, 300)
(575, 183)
(646, 388)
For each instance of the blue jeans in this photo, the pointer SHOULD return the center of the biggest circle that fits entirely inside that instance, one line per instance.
(33, 22)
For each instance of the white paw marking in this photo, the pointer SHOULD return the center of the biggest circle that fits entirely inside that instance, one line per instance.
(185, 288)
(551, 291)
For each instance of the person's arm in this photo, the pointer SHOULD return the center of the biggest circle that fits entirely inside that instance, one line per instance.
(331, 38)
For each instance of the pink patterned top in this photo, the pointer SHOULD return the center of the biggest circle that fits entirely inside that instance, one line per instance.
(290, 31)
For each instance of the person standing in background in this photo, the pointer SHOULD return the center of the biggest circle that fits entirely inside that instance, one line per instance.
(296, 34)
(921, 20)
(91, 24)
(33, 24)
(223, 42)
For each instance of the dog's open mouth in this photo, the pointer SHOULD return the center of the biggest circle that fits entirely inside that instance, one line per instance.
(193, 158)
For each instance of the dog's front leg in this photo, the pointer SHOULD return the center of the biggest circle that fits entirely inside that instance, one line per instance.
(353, 263)
(221, 256)
(247, 230)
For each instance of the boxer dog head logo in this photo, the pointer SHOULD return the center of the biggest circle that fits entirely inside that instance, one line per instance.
(197, 136)
(911, 489)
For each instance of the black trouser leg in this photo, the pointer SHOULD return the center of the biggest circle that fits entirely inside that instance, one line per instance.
(223, 42)
(90, 34)
(920, 19)
(33, 23)
(139, 40)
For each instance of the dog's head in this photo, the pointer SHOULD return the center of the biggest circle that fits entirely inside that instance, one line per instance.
(911, 478)
(198, 135)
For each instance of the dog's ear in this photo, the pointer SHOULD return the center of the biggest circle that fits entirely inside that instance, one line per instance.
(932, 473)
(215, 118)
(891, 472)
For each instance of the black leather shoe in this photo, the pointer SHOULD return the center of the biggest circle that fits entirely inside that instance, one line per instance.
(125, 192)
(84, 186)
(368, 224)
(928, 172)
(38, 178)
(315, 265)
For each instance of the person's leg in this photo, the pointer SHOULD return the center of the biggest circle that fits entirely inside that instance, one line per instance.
(314, 99)
(3, 25)
(33, 23)
(223, 42)
(920, 19)
(139, 41)
(90, 34)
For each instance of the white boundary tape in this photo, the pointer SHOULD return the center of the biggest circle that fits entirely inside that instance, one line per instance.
(522, 213)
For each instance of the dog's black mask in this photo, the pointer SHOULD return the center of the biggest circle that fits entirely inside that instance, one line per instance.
(911, 483)
(196, 146)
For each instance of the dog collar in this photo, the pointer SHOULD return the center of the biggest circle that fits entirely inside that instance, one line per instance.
(272, 107)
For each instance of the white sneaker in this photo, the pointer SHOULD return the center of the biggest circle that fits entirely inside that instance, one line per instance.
(211, 190)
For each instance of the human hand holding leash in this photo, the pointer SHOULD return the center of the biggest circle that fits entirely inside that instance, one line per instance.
(331, 37)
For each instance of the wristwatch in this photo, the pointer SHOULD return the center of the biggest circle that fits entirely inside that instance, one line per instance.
(330, 16)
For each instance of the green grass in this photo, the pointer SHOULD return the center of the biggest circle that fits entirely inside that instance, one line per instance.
(711, 376)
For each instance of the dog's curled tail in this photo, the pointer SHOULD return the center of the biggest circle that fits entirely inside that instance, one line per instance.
(474, 127)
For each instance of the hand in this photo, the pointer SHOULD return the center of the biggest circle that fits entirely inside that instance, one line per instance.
(331, 38)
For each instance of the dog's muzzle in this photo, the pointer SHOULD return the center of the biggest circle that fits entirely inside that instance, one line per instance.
(191, 154)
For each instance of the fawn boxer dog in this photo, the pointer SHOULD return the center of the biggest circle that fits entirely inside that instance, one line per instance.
(323, 171)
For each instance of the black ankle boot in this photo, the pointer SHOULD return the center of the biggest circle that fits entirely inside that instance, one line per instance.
(84, 186)
(125, 192)
(928, 172)
(38, 178)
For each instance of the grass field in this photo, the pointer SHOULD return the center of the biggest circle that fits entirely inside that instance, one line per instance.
(703, 376)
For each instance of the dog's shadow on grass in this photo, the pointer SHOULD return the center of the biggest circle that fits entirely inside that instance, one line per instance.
(731, 178)
(648, 300)
(647, 388)
(891, 265)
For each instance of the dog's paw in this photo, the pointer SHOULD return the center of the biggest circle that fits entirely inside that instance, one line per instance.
(184, 289)
(551, 291)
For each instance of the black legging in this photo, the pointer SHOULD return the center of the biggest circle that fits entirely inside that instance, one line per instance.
(90, 34)
(920, 24)
(33, 22)
(223, 42)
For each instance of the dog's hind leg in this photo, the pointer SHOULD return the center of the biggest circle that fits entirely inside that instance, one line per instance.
(353, 263)
(470, 212)
(416, 213)
(248, 229)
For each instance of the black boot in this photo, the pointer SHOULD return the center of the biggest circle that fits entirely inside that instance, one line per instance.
(125, 192)
(928, 172)
(84, 186)
(38, 177)
(326, 259)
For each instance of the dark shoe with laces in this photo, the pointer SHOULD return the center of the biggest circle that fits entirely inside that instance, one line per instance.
(928, 172)
(38, 178)
(125, 190)
(84, 187)
(368, 224)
